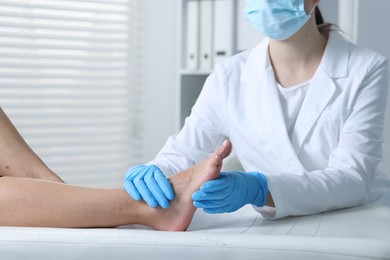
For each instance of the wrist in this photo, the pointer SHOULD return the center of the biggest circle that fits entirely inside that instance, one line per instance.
(261, 189)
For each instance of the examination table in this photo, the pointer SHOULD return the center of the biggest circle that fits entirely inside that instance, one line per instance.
(355, 233)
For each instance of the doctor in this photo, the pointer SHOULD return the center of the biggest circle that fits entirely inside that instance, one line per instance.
(304, 111)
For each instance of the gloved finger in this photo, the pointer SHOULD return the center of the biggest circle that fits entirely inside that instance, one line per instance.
(204, 196)
(198, 195)
(145, 192)
(214, 210)
(164, 185)
(222, 182)
(155, 190)
(128, 173)
(210, 203)
(215, 185)
(131, 190)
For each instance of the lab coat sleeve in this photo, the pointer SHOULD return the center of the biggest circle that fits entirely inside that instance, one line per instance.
(204, 130)
(352, 165)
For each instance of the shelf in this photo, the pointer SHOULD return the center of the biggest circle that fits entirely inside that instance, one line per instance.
(195, 72)
(235, 35)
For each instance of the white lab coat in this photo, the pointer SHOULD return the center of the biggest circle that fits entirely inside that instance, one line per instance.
(332, 157)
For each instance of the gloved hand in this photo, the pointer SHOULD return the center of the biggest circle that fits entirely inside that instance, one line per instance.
(147, 182)
(231, 191)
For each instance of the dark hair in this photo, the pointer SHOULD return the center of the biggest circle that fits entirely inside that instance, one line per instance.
(318, 15)
(323, 26)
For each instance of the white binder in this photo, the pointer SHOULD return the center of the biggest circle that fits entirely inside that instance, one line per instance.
(206, 34)
(192, 59)
(223, 29)
(247, 36)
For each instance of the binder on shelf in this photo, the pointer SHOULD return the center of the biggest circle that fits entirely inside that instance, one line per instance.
(206, 34)
(223, 29)
(247, 36)
(192, 51)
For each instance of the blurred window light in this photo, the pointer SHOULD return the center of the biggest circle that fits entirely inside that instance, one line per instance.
(70, 80)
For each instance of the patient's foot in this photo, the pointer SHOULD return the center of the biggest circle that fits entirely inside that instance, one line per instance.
(180, 212)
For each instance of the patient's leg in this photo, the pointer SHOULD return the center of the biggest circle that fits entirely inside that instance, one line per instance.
(17, 158)
(31, 202)
(40, 203)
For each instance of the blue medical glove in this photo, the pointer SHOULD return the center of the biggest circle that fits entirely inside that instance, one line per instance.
(147, 182)
(231, 191)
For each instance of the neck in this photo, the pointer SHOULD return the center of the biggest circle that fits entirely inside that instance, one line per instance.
(301, 49)
(296, 59)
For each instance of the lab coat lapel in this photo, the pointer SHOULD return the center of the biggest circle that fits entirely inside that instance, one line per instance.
(260, 83)
(320, 92)
(334, 64)
(275, 130)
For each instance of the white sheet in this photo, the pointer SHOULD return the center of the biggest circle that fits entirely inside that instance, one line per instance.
(355, 233)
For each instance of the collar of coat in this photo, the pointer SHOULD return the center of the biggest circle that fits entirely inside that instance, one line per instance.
(334, 61)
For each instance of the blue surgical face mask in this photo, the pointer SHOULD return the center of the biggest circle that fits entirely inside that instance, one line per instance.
(277, 19)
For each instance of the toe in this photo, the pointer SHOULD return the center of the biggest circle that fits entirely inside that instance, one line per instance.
(226, 149)
(220, 153)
